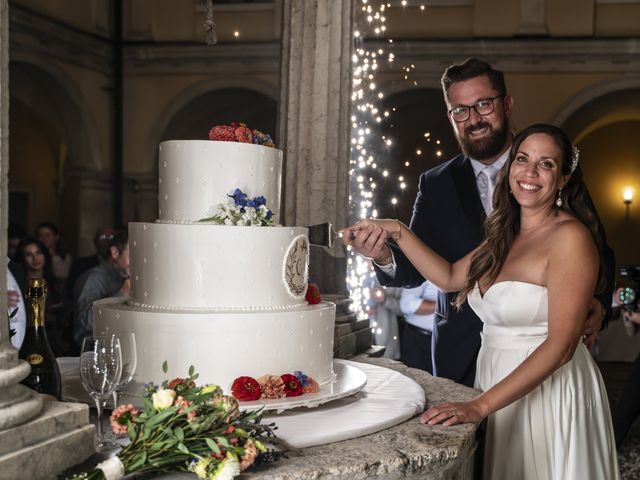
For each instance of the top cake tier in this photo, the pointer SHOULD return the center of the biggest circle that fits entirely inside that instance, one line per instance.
(196, 176)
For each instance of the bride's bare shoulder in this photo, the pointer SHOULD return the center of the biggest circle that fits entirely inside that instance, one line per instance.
(570, 234)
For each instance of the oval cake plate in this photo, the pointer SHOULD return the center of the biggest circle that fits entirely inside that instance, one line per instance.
(349, 380)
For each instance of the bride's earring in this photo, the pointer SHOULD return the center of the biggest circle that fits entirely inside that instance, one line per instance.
(559, 200)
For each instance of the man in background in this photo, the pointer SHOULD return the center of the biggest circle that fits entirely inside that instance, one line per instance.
(108, 279)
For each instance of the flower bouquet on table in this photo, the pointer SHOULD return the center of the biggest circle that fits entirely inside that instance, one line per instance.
(185, 428)
(243, 211)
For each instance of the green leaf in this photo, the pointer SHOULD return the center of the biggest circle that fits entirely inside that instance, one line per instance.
(183, 448)
(223, 441)
(191, 370)
(138, 461)
(160, 417)
(165, 366)
(212, 445)
(179, 433)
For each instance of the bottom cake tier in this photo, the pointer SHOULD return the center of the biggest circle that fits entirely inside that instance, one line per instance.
(222, 346)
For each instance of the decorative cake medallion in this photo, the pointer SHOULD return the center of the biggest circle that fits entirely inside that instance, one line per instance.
(296, 266)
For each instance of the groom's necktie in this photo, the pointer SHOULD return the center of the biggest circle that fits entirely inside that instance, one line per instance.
(486, 183)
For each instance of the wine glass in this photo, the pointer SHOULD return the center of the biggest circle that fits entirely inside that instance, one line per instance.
(100, 371)
(129, 363)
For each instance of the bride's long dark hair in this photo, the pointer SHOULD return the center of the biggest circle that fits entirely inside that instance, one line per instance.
(503, 225)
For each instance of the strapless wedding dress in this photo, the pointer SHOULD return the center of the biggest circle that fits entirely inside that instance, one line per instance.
(561, 430)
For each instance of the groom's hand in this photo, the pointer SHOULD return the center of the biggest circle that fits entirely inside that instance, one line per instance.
(593, 323)
(369, 240)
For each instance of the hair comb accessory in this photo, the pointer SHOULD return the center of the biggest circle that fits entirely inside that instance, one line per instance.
(575, 156)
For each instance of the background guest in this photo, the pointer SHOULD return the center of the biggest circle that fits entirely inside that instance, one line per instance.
(80, 265)
(627, 408)
(385, 325)
(108, 279)
(48, 234)
(15, 234)
(34, 258)
(18, 322)
(418, 306)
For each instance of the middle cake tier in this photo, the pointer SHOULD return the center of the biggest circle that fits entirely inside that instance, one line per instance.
(218, 267)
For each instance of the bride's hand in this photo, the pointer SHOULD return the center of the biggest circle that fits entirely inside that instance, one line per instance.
(363, 228)
(453, 413)
(369, 238)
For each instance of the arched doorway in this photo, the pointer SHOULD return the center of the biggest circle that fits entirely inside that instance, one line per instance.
(48, 139)
(222, 106)
(605, 129)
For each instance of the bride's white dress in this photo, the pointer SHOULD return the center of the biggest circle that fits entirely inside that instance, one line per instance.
(562, 429)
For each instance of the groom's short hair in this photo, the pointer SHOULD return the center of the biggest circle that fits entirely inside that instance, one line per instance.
(472, 68)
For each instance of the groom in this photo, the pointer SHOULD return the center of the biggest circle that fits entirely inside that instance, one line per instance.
(451, 206)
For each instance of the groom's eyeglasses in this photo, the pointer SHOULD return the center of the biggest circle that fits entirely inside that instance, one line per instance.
(483, 107)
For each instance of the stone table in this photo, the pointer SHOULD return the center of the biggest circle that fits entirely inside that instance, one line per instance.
(407, 451)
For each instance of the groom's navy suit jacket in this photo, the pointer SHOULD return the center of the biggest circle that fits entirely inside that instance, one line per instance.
(448, 216)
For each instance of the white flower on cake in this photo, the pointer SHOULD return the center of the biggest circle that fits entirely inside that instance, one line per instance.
(241, 210)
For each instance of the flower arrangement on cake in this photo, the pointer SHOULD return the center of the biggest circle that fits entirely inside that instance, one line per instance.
(269, 387)
(241, 210)
(185, 428)
(239, 132)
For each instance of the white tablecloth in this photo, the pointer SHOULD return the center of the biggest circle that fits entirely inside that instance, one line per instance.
(388, 398)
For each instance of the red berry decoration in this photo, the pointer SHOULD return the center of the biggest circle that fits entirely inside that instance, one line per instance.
(246, 389)
(223, 133)
(313, 294)
(244, 134)
(292, 387)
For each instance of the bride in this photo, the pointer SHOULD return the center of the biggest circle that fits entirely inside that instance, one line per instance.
(531, 282)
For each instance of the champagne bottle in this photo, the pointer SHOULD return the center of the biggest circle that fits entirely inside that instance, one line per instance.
(45, 374)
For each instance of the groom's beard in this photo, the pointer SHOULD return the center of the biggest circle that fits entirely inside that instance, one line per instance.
(484, 148)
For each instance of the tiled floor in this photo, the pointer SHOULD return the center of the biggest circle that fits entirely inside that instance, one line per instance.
(615, 375)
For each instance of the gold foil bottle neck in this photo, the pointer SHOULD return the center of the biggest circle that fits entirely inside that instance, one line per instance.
(37, 287)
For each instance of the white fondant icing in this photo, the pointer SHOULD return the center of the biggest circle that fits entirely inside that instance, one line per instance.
(212, 342)
(224, 166)
(199, 266)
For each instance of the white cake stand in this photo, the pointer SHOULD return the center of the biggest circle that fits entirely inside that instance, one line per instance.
(349, 380)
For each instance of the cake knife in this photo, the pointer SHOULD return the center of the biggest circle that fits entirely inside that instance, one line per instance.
(323, 235)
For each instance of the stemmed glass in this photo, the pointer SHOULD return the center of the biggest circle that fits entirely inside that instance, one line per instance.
(100, 371)
(129, 363)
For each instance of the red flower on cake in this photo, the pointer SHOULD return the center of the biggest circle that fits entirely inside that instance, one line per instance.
(272, 386)
(313, 294)
(292, 387)
(223, 133)
(246, 389)
(244, 134)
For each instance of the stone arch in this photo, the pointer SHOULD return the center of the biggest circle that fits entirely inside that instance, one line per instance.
(604, 125)
(41, 85)
(200, 91)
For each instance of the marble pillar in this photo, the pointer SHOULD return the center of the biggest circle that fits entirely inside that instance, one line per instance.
(36, 440)
(18, 404)
(314, 125)
(314, 133)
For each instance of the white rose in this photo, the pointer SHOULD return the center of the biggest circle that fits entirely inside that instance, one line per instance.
(163, 399)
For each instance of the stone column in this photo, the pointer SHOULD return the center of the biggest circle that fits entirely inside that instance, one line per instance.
(314, 132)
(314, 127)
(18, 404)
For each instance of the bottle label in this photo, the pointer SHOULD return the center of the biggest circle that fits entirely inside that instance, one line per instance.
(35, 359)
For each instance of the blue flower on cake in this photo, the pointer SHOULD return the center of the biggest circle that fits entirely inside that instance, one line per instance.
(241, 210)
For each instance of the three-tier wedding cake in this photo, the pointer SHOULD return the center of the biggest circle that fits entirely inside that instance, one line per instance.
(227, 299)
